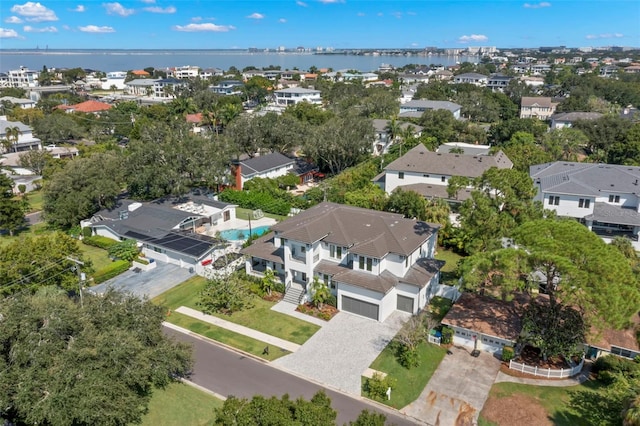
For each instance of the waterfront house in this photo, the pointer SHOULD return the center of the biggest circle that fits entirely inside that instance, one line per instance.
(295, 95)
(471, 78)
(498, 82)
(373, 262)
(23, 78)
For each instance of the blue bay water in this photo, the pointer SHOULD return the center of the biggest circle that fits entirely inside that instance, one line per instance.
(123, 60)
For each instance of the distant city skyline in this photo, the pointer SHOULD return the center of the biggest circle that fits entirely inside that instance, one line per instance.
(227, 24)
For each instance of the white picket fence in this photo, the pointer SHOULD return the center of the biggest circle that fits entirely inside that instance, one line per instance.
(433, 339)
(547, 372)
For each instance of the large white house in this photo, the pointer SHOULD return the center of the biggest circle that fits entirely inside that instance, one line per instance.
(541, 108)
(23, 78)
(428, 173)
(295, 95)
(605, 197)
(416, 107)
(263, 166)
(374, 262)
(25, 140)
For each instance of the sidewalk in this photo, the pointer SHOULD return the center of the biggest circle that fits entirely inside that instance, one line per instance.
(571, 381)
(267, 338)
(290, 309)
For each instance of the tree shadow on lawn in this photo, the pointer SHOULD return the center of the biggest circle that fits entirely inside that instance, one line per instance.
(588, 407)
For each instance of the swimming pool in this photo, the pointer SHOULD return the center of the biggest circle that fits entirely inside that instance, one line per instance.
(242, 234)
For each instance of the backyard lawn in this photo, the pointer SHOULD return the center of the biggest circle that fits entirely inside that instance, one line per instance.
(238, 341)
(181, 404)
(99, 257)
(409, 382)
(539, 405)
(32, 230)
(447, 272)
(244, 214)
(260, 317)
(36, 200)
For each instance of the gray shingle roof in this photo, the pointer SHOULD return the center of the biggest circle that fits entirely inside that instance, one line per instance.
(264, 163)
(5, 124)
(528, 101)
(367, 232)
(608, 213)
(567, 177)
(422, 104)
(473, 75)
(570, 117)
(420, 160)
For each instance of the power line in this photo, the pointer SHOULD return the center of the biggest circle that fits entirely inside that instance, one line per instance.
(38, 271)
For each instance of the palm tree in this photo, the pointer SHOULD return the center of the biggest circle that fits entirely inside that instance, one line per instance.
(228, 113)
(13, 134)
(631, 414)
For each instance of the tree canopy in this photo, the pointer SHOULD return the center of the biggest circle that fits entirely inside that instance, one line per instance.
(64, 364)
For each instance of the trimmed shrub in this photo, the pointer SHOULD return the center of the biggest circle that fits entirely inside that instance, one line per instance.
(113, 270)
(377, 386)
(279, 287)
(141, 260)
(100, 242)
(87, 232)
(332, 300)
(407, 356)
(508, 353)
(608, 366)
(256, 200)
(447, 335)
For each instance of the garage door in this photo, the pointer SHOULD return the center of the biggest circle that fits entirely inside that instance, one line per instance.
(405, 304)
(355, 306)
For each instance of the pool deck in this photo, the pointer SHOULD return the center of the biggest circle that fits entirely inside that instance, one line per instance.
(242, 224)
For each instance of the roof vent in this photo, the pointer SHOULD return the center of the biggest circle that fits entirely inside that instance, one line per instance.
(612, 185)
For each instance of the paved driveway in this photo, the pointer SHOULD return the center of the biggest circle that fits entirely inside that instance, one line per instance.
(342, 350)
(146, 283)
(457, 390)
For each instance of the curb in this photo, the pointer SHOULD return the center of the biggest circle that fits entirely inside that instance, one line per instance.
(203, 389)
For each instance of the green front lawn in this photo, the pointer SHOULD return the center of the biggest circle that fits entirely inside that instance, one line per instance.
(238, 341)
(410, 383)
(31, 230)
(36, 200)
(181, 404)
(99, 257)
(260, 317)
(554, 400)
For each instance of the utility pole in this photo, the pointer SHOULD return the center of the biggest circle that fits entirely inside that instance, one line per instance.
(81, 277)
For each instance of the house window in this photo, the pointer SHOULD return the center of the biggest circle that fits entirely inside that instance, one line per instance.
(282, 241)
(443, 178)
(554, 200)
(614, 198)
(361, 262)
(400, 175)
(303, 249)
(621, 352)
(584, 203)
(425, 176)
(406, 261)
(304, 276)
(325, 279)
(335, 252)
(339, 252)
(369, 263)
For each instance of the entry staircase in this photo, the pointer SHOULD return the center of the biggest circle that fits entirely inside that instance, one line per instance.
(293, 294)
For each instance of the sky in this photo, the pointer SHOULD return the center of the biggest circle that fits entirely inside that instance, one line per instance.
(241, 24)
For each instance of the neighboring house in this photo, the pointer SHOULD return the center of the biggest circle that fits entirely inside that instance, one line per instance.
(227, 87)
(21, 102)
(349, 76)
(295, 95)
(609, 71)
(374, 262)
(62, 152)
(484, 323)
(632, 69)
(88, 107)
(23, 78)
(428, 173)
(25, 140)
(264, 166)
(541, 108)
(604, 197)
(498, 82)
(630, 113)
(305, 170)
(540, 69)
(532, 81)
(197, 123)
(114, 79)
(623, 342)
(471, 78)
(382, 138)
(140, 74)
(566, 119)
(165, 229)
(141, 87)
(443, 75)
(422, 105)
(167, 87)
(184, 72)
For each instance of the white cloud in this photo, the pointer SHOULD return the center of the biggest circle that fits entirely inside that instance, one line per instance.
(30, 29)
(414, 44)
(117, 9)
(301, 3)
(537, 5)
(256, 15)
(8, 33)
(34, 12)
(13, 20)
(360, 14)
(472, 37)
(192, 28)
(196, 19)
(397, 14)
(607, 35)
(96, 29)
(156, 9)
(79, 8)
(282, 20)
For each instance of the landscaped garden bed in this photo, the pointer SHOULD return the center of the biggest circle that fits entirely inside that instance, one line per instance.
(326, 312)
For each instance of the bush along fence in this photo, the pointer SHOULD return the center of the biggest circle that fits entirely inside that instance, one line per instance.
(113, 270)
(547, 372)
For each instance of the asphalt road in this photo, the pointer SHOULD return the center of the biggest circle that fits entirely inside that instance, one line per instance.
(230, 373)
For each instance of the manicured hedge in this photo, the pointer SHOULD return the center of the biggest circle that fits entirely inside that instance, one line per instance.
(256, 200)
(113, 270)
(99, 241)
